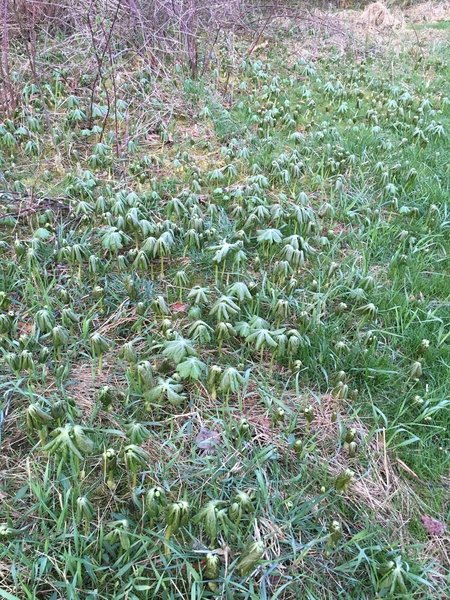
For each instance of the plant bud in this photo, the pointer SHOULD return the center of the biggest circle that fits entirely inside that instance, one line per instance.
(58, 409)
(105, 397)
(6, 533)
(350, 435)
(344, 480)
(60, 336)
(249, 558)
(26, 361)
(36, 417)
(141, 309)
(352, 449)
(424, 345)
(6, 323)
(99, 344)
(69, 317)
(298, 447)
(308, 413)
(244, 428)
(335, 532)
(341, 307)
(128, 352)
(212, 567)
(63, 295)
(235, 512)
(20, 248)
(85, 510)
(155, 501)
(177, 515)
(45, 321)
(13, 361)
(416, 370)
(244, 500)
(136, 433)
(144, 373)
(340, 346)
(278, 415)
(341, 376)
(98, 292)
(135, 458)
(341, 390)
(369, 310)
(159, 306)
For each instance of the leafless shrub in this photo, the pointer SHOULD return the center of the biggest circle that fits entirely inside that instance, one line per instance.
(161, 31)
(96, 33)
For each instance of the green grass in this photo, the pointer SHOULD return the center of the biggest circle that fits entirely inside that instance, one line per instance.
(440, 25)
(251, 309)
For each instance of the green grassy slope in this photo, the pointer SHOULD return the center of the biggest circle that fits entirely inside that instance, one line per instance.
(225, 352)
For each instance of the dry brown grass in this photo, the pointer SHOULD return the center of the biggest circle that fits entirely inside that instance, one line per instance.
(378, 15)
(378, 483)
(428, 12)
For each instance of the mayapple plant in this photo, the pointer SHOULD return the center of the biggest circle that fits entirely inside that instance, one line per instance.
(278, 415)
(136, 459)
(224, 309)
(99, 346)
(308, 413)
(45, 320)
(243, 429)
(38, 420)
(69, 442)
(240, 291)
(249, 558)
(214, 376)
(192, 368)
(155, 504)
(200, 332)
(169, 390)
(224, 332)
(212, 570)
(177, 515)
(242, 504)
(137, 433)
(231, 381)
(128, 352)
(85, 512)
(208, 517)
(109, 467)
(119, 532)
(143, 372)
(416, 370)
(163, 248)
(178, 349)
(334, 533)
(344, 480)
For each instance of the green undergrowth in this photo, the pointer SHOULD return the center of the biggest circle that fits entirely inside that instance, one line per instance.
(225, 340)
(441, 25)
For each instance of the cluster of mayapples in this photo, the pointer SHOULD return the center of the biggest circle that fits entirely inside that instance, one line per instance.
(353, 96)
(122, 245)
(51, 109)
(278, 239)
(241, 229)
(248, 212)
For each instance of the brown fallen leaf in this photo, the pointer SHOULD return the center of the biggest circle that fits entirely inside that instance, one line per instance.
(178, 307)
(207, 440)
(433, 526)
